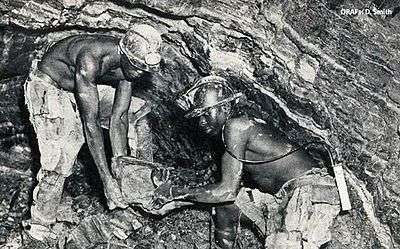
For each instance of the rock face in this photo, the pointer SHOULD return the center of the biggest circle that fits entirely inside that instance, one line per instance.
(305, 66)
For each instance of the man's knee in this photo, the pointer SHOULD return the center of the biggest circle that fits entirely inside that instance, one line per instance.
(138, 110)
(226, 216)
(225, 238)
(226, 220)
(60, 159)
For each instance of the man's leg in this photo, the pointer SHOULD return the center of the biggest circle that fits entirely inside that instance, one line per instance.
(59, 135)
(226, 220)
(309, 213)
(46, 197)
(48, 192)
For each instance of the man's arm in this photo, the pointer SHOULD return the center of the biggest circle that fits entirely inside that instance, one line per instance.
(88, 103)
(119, 119)
(231, 170)
(224, 191)
(87, 98)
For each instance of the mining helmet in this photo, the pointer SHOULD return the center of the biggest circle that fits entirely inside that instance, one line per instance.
(141, 45)
(215, 85)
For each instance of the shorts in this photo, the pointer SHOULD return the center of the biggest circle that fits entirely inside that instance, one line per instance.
(299, 215)
(55, 118)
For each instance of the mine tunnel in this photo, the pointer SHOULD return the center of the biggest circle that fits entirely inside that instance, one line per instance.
(304, 69)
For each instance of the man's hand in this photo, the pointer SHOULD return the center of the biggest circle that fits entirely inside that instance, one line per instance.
(162, 195)
(113, 195)
(87, 96)
(169, 207)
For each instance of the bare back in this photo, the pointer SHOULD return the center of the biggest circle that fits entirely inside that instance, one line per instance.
(61, 60)
(265, 142)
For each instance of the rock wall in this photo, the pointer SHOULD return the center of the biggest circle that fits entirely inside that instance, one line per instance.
(303, 65)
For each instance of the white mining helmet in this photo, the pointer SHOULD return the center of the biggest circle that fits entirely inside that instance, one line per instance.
(141, 45)
(225, 94)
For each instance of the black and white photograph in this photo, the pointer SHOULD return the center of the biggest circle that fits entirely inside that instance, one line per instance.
(200, 124)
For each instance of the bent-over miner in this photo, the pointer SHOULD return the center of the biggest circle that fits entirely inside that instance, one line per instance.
(254, 190)
(69, 95)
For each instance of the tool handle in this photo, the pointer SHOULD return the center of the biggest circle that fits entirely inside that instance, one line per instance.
(342, 187)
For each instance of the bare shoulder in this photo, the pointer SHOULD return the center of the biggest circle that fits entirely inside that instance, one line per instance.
(87, 39)
(238, 129)
(239, 124)
(70, 46)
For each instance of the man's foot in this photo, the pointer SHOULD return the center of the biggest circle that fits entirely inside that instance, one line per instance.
(114, 195)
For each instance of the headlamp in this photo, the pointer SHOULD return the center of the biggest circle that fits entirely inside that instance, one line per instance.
(197, 112)
(150, 63)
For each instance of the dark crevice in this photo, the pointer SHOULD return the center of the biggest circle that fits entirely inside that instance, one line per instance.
(44, 31)
(176, 140)
(14, 198)
(49, 30)
(151, 10)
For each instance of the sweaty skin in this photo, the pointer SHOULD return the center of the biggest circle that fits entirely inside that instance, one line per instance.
(250, 140)
(246, 139)
(77, 64)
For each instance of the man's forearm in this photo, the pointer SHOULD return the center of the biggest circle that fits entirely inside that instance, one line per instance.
(118, 136)
(95, 141)
(209, 194)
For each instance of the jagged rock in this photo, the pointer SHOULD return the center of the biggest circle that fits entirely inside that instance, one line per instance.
(135, 179)
(312, 72)
(15, 196)
(103, 229)
(17, 52)
(139, 179)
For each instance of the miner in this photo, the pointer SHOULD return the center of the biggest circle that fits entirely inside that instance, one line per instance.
(262, 177)
(83, 83)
